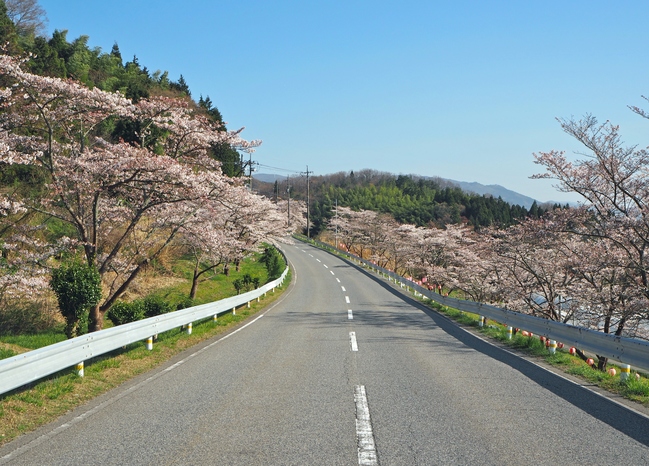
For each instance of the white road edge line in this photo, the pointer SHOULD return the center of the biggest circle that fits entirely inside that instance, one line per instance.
(364, 435)
(352, 341)
(350, 316)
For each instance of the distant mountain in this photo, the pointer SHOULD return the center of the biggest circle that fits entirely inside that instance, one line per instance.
(496, 191)
(268, 177)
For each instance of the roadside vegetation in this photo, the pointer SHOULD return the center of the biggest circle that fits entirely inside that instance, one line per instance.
(25, 409)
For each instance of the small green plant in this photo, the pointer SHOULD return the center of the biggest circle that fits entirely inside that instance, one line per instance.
(238, 285)
(122, 312)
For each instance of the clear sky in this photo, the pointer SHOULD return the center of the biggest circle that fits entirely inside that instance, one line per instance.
(466, 90)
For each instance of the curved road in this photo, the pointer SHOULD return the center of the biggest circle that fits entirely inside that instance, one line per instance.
(343, 370)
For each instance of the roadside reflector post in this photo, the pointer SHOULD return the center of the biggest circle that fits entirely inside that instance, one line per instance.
(552, 347)
(510, 330)
(79, 368)
(215, 317)
(234, 311)
(248, 304)
(189, 328)
(625, 372)
(481, 322)
(149, 343)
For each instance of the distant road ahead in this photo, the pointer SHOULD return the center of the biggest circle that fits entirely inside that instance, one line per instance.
(343, 371)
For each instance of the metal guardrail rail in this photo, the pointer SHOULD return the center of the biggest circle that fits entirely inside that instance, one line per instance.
(622, 349)
(28, 367)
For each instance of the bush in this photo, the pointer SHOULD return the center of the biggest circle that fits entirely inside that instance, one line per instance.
(185, 303)
(123, 313)
(78, 288)
(154, 305)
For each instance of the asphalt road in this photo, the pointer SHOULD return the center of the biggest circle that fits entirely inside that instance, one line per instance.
(343, 370)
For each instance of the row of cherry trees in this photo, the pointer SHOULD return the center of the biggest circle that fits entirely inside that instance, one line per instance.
(584, 265)
(122, 204)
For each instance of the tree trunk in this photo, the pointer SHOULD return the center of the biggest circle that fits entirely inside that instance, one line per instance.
(95, 319)
(192, 292)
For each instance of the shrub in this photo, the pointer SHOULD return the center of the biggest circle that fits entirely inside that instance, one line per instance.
(154, 305)
(184, 303)
(122, 312)
(78, 288)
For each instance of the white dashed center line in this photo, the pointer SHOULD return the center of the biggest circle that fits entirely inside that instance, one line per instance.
(343, 288)
(364, 434)
(350, 316)
(352, 341)
(347, 299)
(338, 280)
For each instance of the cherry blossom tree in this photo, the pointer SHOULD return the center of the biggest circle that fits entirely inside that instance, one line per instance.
(226, 230)
(126, 201)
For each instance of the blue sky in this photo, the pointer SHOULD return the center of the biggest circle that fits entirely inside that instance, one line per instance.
(466, 90)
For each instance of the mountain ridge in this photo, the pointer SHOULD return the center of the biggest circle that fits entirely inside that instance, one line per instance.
(495, 190)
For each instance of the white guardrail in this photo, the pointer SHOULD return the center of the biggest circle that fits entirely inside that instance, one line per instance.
(625, 350)
(24, 368)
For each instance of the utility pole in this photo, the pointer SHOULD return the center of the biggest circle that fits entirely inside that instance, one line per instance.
(336, 245)
(288, 190)
(308, 206)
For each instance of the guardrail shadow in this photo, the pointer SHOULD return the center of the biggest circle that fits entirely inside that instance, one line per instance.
(619, 417)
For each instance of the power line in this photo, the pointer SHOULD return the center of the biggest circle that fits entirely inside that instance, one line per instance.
(277, 168)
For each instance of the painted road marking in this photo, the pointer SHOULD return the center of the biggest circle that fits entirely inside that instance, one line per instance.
(325, 266)
(347, 299)
(338, 280)
(350, 316)
(364, 434)
(343, 288)
(332, 272)
(319, 260)
(352, 341)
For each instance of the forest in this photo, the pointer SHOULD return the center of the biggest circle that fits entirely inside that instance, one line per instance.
(408, 198)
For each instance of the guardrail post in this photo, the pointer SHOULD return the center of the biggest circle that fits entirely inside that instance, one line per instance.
(189, 328)
(510, 330)
(625, 372)
(248, 304)
(149, 343)
(79, 368)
